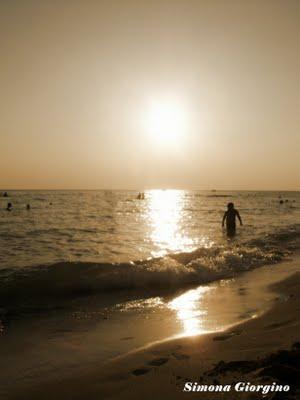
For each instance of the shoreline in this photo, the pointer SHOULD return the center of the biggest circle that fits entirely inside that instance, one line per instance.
(160, 370)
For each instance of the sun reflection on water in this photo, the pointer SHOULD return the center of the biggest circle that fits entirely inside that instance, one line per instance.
(189, 312)
(165, 215)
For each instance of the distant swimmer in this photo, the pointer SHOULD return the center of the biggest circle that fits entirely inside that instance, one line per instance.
(141, 196)
(28, 207)
(5, 194)
(9, 207)
(230, 216)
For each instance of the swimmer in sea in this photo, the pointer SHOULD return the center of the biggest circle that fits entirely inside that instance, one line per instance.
(230, 216)
(9, 207)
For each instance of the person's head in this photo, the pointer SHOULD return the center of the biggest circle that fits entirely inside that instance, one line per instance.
(230, 206)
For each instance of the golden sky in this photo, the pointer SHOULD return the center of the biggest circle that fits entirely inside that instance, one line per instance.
(133, 93)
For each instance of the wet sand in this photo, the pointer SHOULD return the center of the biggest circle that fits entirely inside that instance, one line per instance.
(247, 352)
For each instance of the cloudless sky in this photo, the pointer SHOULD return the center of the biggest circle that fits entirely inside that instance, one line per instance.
(77, 78)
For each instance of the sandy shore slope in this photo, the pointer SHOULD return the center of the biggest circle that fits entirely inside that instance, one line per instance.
(249, 352)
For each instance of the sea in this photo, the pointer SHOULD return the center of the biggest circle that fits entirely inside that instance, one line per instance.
(89, 275)
(111, 230)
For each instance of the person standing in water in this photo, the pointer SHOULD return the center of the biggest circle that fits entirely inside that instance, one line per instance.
(230, 216)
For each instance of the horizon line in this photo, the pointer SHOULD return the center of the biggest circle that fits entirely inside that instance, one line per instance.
(149, 189)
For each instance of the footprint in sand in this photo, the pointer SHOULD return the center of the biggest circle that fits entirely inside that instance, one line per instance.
(228, 335)
(281, 324)
(140, 371)
(157, 362)
(180, 356)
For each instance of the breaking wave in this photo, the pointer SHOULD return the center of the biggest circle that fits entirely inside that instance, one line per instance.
(71, 279)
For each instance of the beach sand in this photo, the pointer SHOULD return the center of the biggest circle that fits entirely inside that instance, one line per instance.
(262, 350)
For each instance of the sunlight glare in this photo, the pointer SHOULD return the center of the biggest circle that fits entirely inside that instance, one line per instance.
(188, 309)
(166, 121)
(165, 214)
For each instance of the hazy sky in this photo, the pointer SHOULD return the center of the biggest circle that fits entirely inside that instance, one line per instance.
(78, 79)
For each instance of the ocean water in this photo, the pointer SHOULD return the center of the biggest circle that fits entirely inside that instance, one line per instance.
(109, 240)
(86, 276)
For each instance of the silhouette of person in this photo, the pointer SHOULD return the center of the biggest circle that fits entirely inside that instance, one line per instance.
(28, 207)
(141, 196)
(9, 207)
(5, 194)
(230, 216)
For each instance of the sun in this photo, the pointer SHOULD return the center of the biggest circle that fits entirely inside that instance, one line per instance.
(166, 121)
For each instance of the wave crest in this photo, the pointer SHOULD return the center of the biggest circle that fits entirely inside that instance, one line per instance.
(69, 279)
